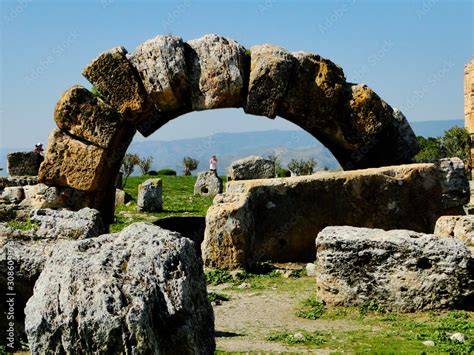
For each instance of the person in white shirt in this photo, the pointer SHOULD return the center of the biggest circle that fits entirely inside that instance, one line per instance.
(213, 164)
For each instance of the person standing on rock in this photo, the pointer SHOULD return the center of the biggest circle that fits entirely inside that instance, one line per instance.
(213, 164)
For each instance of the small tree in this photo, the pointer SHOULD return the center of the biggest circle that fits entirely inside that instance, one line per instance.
(128, 164)
(189, 164)
(274, 159)
(145, 164)
(456, 142)
(302, 167)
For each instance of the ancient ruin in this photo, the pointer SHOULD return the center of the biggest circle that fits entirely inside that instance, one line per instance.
(469, 102)
(165, 77)
(278, 219)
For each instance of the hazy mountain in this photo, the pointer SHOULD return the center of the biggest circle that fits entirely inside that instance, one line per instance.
(230, 146)
(434, 128)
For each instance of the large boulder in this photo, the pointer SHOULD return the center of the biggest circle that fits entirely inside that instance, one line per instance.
(83, 115)
(139, 291)
(150, 196)
(85, 223)
(277, 219)
(161, 63)
(208, 184)
(399, 270)
(216, 71)
(24, 163)
(252, 167)
(458, 227)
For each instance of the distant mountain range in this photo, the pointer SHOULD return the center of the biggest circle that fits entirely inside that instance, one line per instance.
(231, 146)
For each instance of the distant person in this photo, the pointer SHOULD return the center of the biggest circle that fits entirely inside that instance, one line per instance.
(39, 148)
(213, 164)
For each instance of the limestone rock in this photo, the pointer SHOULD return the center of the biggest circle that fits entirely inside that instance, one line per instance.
(208, 184)
(12, 194)
(85, 223)
(458, 227)
(270, 69)
(81, 114)
(44, 196)
(252, 167)
(161, 63)
(150, 196)
(139, 291)
(121, 197)
(120, 86)
(455, 185)
(277, 219)
(72, 163)
(400, 270)
(24, 163)
(216, 71)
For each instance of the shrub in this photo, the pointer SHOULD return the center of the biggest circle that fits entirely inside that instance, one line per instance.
(169, 172)
(283, 173)
(153, 173)
(312, 309)
(217, 276)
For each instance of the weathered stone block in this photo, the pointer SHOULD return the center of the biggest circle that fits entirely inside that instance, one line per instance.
(73, 163)
(399, 270)
(121, 197)
(208, 184)
(270, 70)
(277, 219)
(454, 184)
(150, 297)
(252, 167)
(216, 71)
(119, 84)
(150, 196)
(161, 63)
(81, 114)
(24, 163)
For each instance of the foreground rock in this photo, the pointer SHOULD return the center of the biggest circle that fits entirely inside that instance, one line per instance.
(150, 196)
(458, 227)
(24, 163)
(278, 219)
(208, 184)
(138, 291)
(252, 167)
(399, 270)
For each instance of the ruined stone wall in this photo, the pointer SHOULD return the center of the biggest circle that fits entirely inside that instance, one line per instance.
(469, 102)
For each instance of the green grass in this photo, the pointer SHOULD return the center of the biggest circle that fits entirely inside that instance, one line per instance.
(298, 338)
(311, 309)
(216, 296)
(178, 200)
(23, 225)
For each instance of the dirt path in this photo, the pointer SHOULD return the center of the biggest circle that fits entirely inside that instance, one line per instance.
(245, 321)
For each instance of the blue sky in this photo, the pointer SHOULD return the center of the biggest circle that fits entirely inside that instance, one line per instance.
(412, 53)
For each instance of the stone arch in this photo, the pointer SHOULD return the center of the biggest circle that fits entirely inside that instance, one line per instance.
(165, 78)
